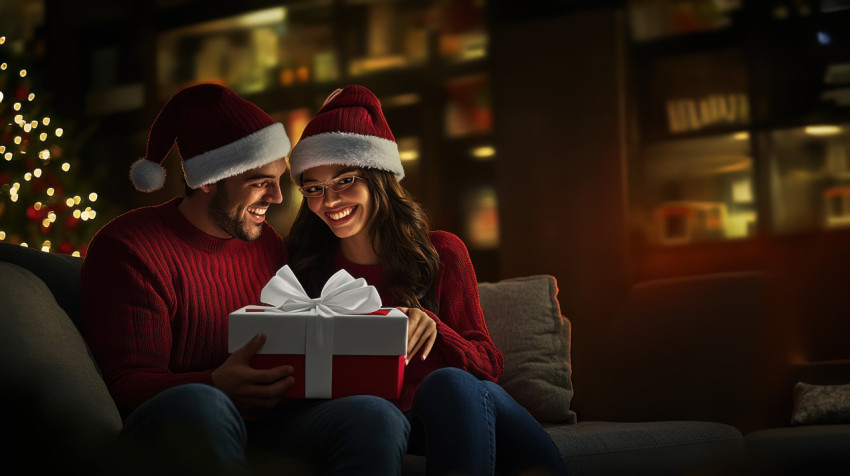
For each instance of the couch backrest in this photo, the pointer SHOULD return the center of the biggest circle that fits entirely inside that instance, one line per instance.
(60, 272)
(44, 360)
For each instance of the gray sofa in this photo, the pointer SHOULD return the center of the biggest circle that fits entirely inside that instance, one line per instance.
(62, 416)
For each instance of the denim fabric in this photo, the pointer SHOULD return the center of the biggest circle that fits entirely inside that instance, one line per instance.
(468, 426)
(359, 435)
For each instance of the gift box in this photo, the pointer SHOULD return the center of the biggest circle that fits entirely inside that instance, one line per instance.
(341, 343)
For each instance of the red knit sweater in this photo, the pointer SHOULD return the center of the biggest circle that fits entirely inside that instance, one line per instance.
(156, 294)
(462, 337)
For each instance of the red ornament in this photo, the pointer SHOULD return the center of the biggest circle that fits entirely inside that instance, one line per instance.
(66, 247)
(35, 215)
(72, 223)
(22, 92)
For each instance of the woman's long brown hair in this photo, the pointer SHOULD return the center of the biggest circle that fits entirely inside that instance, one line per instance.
(399, 233)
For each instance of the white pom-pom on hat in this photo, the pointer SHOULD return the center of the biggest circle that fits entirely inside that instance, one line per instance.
(147, 176)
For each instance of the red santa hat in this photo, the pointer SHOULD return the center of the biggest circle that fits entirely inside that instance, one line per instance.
(218, 134)
(349, 129)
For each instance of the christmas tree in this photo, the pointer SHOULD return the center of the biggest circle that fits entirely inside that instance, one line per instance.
(44, 203)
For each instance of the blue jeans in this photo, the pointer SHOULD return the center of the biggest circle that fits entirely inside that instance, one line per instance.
(352, 435)
(468, 426)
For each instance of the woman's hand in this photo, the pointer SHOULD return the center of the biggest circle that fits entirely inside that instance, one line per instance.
(421, 332)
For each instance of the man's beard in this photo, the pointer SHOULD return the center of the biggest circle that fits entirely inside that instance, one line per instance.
(229, 220)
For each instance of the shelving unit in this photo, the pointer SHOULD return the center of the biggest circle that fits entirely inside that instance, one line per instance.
(721, 141)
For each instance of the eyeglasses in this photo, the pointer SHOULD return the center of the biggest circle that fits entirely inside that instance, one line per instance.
(338, 184)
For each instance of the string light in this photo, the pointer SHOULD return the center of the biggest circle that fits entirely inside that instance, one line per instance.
(19, 143)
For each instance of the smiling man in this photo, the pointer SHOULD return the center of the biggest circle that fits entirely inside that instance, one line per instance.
(159, 282)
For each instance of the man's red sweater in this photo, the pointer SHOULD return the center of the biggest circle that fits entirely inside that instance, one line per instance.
(462, 337)
(156, 294)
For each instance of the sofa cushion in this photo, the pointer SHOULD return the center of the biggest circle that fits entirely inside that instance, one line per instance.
(803, 450)
(525, 322)
(649, 448)
(44, 358)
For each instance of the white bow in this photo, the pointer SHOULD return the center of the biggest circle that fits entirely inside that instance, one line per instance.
(341, 294)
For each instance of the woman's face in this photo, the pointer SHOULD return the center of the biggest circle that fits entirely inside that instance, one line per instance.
(346, 212)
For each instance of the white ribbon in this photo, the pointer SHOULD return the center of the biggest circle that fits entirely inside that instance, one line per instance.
(341, 294)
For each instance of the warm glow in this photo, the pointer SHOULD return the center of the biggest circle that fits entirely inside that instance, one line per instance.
(77, 199)
(36, 173)
(76, 253)
(45, 223)
(50, 192)
(93, 197)
(27, 128)
(484, 152)
(8, 156)
(17, 140)
(77, 213)
(51, 217)
(269, 16)
(2, 235)
(42, 137)
(37, 205)
(822, 130)
(69, 202)
(45, 121)
(408, 155)
(17, 107)
(23, 73)
(66, 167)
(28, 176)
(31, 97)
(59, 132)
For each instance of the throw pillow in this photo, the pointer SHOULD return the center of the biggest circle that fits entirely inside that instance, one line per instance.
(525, 322)
(818, 404)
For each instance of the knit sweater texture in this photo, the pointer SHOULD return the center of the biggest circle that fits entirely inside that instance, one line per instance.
(156, 295)
(462, 337)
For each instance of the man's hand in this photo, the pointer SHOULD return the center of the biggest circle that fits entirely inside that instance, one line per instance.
(421, 332)
(253, 391)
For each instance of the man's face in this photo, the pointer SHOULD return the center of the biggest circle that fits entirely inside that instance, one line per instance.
(239, 205)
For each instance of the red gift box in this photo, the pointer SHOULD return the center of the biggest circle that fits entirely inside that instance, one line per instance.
(333, 356)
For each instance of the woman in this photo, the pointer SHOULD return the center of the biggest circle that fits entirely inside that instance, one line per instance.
(356, 216)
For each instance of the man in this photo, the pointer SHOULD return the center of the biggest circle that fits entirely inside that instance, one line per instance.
(159, 282)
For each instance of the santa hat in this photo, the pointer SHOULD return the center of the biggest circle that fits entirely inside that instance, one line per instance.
(349, 129)
(218, 135)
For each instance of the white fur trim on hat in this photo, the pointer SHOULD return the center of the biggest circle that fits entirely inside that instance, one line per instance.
(345, 148)
(254, 150)
(147, 175)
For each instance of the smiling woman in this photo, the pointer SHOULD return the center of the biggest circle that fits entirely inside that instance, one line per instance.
(357, 216)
